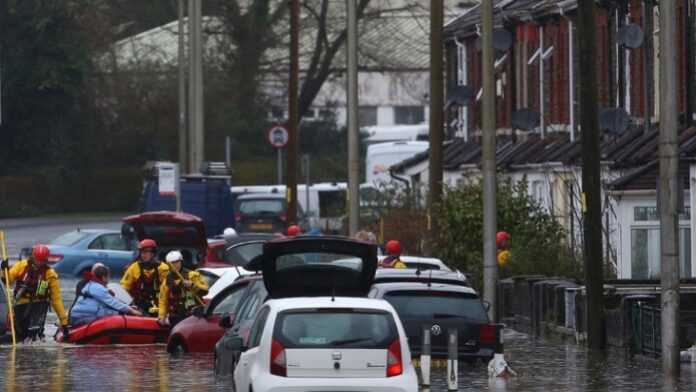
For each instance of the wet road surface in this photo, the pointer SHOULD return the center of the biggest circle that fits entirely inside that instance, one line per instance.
(543, 365)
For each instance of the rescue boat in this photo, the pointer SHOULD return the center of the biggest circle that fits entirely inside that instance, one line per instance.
(117, 330)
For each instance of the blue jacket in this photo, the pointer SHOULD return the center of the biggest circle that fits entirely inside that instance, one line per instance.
(95, 302)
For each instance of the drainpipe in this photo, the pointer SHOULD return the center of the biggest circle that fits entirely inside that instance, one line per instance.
(542, 120)
(571, 73)
(688, 55)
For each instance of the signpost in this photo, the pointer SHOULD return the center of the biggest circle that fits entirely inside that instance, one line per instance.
(278, 137)
(169, 183)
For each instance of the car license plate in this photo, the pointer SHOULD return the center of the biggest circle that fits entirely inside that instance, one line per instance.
(434, 363)
(261, 226)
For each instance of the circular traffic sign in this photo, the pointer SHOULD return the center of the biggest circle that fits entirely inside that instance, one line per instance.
(278, 136)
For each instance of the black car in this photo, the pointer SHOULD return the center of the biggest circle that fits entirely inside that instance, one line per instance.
(264, 213)
(440, 307)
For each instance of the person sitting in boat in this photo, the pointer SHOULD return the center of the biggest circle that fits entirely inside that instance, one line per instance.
(36, 284)
(181, 291)
(143, 278)
(95, 301)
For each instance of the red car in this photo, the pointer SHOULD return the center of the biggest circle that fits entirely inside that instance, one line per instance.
(171, 230)
(200, 332)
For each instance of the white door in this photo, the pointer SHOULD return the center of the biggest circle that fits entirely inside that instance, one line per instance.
(249, 360)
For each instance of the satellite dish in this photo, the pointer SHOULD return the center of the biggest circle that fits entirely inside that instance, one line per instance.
(502, 39)
(461, 95)
(525, 119)
(630, 36)
(614, 120)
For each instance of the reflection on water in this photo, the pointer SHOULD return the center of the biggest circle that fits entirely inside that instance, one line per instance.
(542, 365)
(121, 368)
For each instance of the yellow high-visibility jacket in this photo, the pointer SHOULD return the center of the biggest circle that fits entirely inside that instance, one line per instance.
(198, 289)
(50, 277)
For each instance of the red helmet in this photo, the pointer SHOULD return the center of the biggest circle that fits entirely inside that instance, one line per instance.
(393, 247)
(294, 230)
(500, 237)
(40, 253)
(147, 244)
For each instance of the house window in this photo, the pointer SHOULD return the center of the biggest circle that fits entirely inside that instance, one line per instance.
(409, 115)
(644, 214)
(367, 116)
(645, 251)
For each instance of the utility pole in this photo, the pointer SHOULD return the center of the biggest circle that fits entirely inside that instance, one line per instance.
(436, 117)
(183, 153)
(591, 182)
(196, 138)
(293, 110)
(353, 129)
(490, 264)
(668, 192)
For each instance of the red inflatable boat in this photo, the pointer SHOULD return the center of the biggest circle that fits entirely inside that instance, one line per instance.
(117, 330)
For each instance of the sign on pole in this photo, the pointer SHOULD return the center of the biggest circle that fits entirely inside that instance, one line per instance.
(169, 182)
(278, 137)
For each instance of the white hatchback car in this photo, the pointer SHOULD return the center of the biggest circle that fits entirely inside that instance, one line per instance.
(325, 344)
(318, 331)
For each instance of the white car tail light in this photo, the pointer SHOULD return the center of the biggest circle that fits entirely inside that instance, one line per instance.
(395, 366)
(278, 362)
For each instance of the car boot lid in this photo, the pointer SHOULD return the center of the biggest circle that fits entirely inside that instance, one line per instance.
(316, 266)
(167, 228)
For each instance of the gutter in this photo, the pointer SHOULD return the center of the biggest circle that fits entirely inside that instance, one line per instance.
(633, 192)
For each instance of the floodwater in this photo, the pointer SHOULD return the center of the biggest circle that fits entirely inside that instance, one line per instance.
(542, 365)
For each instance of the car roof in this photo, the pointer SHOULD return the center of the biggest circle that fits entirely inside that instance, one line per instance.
(412, 274)
(96, 231)
(416, 286)
(240, 238)
(329, 302)
(418, 259)
(262, 196)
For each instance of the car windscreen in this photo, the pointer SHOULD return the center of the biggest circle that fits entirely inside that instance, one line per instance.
(437, 304)
(333, 328)
(171, 233)
(69, 239)
(261, 206)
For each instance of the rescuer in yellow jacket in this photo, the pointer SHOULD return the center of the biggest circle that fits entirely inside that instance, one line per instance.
(36, 284)
(180, 292)
(143, 278)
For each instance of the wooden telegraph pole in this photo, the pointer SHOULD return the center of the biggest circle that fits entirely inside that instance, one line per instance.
(591, 172)
(293, 110)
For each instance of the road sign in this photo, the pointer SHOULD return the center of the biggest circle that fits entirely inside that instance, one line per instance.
(168, 178)
(278, 136)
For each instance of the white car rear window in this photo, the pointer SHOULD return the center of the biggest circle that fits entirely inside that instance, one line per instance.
(329, 328)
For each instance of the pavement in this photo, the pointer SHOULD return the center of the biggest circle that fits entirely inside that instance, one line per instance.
(24, 232)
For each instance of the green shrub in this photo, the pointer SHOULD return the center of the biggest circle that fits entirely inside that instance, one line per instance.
(537, 239)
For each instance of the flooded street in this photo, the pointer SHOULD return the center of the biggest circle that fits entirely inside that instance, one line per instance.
(543, 365)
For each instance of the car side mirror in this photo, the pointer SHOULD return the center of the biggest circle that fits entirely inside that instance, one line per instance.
(235, 343)
(227, 321)
(198, 311)
(487, 305)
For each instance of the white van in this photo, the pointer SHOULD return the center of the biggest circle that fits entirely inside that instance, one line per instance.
(380, 157)
(396, 133)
